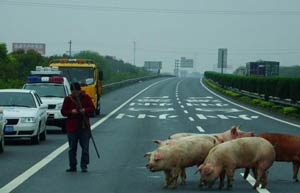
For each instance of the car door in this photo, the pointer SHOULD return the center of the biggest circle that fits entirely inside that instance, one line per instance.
(41, 110)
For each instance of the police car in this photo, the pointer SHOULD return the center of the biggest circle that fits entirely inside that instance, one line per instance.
(24, 113)
(52, 88)
(2, 122)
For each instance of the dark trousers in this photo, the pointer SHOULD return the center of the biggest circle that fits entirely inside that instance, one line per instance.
(83, 137)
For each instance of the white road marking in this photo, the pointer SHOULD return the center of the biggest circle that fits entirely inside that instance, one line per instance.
(185, 111)
(191, 119)
(200, 129)
(251, 181)
(200, 116)
(182, 106)
(120, 116)
(268, 116)
(35, 168)
(141, 116)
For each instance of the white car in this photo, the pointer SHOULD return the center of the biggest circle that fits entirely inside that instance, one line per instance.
(25, 114)
(2, 123)
(52, 88)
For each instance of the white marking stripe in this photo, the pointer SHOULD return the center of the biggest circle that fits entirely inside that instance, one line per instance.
(191, 119)
(200, 129)
(120, 116)
(35, 168)
(251, 181)
(185, 111)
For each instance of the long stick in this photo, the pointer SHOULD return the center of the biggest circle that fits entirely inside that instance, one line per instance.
(98, 155)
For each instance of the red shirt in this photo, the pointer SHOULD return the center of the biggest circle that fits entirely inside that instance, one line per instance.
(69, 105)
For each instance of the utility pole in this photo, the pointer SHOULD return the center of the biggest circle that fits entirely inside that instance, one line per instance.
(176, 69)
(70, 48)
(134, 49)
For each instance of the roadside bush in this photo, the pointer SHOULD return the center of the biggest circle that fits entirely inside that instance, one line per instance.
(289, 110)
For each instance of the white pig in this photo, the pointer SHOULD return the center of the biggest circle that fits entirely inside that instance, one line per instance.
(248, 152)
(172, 159)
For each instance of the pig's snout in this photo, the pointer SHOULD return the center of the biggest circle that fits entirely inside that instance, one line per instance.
(149, 166)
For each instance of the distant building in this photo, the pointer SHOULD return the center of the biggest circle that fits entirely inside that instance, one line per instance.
(262, 68)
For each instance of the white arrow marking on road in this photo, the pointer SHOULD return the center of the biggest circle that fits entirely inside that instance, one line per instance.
(120, 116)
(222, 117)
(207, 97)
(214, 110)
(163, 116)
(141, 116)
(189, 104)
(163, 97)
(200, 116)
(151, 109)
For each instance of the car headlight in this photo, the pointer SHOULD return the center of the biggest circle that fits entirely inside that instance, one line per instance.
(28, 119)
(58, 106)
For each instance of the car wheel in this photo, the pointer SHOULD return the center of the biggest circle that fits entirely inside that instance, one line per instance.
(36, 139)
(43, 135)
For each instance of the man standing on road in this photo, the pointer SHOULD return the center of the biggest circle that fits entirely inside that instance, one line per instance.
(77, 107)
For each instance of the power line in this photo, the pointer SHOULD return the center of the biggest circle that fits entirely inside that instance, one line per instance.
(150, 10)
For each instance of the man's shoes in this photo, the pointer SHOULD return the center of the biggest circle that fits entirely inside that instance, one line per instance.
(84, 170)
(71, 170)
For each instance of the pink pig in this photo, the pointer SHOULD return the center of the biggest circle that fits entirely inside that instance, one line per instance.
(173, 158)
(248, 152)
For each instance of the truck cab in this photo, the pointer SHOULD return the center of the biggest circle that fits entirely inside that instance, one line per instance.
(52, 89)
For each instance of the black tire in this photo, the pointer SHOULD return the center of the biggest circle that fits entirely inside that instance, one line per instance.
(43, 135)
(36, 139)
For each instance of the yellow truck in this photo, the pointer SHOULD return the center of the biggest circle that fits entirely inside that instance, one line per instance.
(86, 72)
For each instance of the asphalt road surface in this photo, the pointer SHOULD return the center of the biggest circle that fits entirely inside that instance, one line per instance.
(131, 118)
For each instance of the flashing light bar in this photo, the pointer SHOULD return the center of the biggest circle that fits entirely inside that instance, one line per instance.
(40, 70)
(39, 79)
(73, 60)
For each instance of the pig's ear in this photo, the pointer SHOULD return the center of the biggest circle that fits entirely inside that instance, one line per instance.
(233, 131)
(157, 157)
(147, 154)
(159, 142)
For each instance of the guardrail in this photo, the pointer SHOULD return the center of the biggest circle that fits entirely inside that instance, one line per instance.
(112, 86)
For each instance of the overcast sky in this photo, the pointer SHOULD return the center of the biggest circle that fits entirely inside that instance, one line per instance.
(164, 30)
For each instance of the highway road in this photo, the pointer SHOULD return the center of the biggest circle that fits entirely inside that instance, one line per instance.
(131, 118)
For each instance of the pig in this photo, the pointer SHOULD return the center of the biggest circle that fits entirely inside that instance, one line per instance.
(287, 148)
(248, 152)
(172, 159)
(233, 133)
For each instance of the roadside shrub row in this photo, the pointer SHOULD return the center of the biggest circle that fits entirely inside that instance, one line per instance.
(285, 110)
(283, 88)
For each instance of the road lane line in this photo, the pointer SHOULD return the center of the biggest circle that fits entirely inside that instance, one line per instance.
(200, 129)
(268, 116)
(35, 168)
(251, 181)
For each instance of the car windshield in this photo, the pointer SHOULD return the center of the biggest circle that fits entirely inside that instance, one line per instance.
(47, 90)
(85, 76)
(17, 99)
